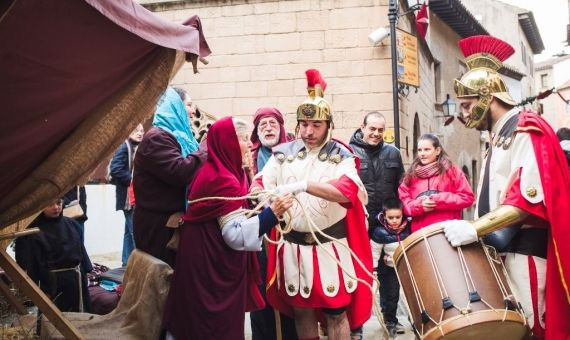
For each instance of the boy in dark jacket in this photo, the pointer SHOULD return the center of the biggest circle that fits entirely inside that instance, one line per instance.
(392, 229)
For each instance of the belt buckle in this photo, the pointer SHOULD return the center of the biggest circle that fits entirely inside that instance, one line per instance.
(309, 239)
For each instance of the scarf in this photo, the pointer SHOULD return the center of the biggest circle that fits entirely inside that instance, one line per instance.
(221, 175)
(171, 116)
(428, 170)
(263, 155)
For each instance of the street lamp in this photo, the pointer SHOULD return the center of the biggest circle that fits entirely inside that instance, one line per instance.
(449, 106)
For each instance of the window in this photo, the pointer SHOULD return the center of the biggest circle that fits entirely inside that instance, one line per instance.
(531, 66)
(437, 80)
(523, 53)
(544, 80)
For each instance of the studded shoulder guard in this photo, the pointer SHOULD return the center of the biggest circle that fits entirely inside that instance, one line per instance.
(333, 152)
(506, 136)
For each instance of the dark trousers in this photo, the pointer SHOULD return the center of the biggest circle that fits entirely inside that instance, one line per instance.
(389, 291)
(263, 321)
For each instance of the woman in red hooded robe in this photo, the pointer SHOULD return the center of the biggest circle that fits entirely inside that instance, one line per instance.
(216, 275)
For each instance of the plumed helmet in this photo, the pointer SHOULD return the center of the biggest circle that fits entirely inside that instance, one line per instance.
(315, 107)
(484, 55)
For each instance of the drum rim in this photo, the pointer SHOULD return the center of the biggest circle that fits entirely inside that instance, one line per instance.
(414, 238)
(482, 316)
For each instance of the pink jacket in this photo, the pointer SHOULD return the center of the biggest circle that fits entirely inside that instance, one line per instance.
(454, 194)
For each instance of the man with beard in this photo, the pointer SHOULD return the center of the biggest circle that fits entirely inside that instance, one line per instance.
(303, 279)
(268, 131)
(523, 194)
(381, 169)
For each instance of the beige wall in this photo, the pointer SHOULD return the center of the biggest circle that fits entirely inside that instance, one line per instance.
(558, 75)
(261, 50)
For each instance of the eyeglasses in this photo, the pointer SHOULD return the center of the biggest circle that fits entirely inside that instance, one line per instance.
(270, 123)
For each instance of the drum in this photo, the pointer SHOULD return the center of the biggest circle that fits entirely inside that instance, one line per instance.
(456, 292)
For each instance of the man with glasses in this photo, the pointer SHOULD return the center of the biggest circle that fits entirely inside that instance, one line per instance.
(268, 131)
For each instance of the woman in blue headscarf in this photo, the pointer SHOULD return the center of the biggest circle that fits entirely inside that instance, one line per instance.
(165, 163)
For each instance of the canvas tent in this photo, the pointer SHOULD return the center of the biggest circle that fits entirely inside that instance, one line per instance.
(75, 78)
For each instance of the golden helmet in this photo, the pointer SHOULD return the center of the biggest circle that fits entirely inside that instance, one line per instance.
(315, 107)
(484, 55)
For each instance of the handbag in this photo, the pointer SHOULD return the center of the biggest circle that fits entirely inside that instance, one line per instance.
(73, 209)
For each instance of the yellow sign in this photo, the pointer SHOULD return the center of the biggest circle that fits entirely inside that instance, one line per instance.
(407, 54)
(389, 136)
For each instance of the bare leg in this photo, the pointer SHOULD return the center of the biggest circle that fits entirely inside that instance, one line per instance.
(338, 327)
(306, 323)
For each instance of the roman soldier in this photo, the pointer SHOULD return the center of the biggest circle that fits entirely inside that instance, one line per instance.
(523, 193)
(303, 279)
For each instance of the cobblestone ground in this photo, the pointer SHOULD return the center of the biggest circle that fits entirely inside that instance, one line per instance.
(372, 331)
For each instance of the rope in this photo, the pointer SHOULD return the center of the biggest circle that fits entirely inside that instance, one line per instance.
(500, 283)
(438, 279)
(79, 282)
(264, 196)
(415, 287)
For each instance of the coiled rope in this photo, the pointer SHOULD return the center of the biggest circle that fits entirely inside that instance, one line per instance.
(264, 197)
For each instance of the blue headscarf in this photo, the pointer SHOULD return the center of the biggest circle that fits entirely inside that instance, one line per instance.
(171, 116)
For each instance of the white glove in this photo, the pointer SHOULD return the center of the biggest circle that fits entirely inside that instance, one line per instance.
(291, 188)
(459, 232)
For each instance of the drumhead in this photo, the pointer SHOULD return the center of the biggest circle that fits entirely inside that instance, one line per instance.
(487, 324)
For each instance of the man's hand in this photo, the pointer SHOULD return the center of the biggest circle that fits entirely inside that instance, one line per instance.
(291, 188)
(281, 204)
(459, 232)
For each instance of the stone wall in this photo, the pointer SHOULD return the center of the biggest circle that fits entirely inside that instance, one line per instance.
(261, 49)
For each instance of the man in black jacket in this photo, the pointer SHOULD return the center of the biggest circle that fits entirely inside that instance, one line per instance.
(381, 169)
(381, 166)
(121, 171)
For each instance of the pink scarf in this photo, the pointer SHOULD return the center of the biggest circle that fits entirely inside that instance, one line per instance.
(428, 170)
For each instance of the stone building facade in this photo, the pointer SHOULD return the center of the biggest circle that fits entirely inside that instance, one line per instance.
(261, 49)
(554, 73)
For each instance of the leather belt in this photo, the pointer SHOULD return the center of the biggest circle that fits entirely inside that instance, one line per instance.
(529, 241)
(337, 230)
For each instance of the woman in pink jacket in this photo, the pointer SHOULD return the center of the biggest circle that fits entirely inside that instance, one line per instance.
(434, 189)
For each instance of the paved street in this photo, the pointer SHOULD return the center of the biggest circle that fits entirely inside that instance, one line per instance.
(372, 330)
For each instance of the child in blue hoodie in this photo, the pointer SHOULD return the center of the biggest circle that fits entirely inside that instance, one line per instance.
(394, 227)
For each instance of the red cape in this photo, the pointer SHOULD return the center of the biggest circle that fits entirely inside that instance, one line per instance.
(555, 177)
(361, 299)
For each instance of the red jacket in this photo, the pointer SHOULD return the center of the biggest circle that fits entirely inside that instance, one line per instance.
(454, 194)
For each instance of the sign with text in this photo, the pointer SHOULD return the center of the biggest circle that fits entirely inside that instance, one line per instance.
(407, 54)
